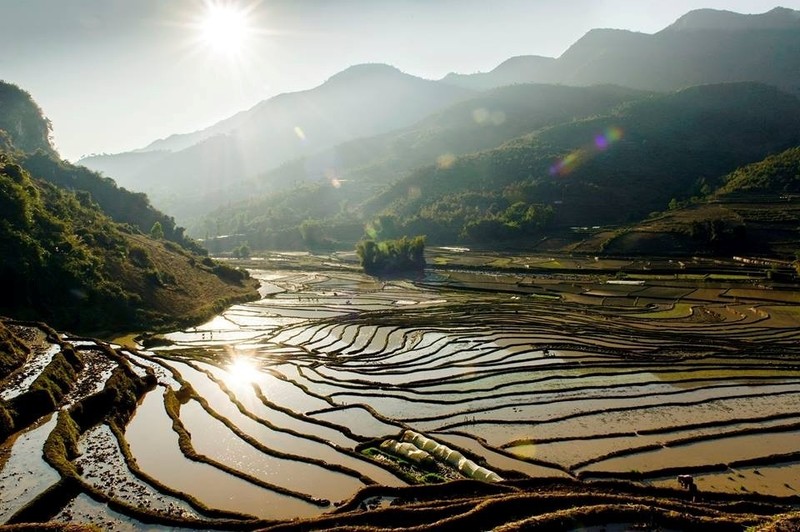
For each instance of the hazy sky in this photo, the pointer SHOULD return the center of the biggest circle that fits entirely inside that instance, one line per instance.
(114, 75)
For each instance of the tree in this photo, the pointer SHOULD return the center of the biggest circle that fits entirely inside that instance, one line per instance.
(157, 232)
(312, 233)
(242, 252)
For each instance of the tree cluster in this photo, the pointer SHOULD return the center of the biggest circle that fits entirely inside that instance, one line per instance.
(392, 256)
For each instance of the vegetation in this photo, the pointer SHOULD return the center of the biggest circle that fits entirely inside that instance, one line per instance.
(24, 133)
(73, 249)
(12, 352)
(573, 169)
(755, 210)
(777, 174)
(392, 256)
(23, 121)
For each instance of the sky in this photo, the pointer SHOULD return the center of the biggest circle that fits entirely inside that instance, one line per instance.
(115, 75)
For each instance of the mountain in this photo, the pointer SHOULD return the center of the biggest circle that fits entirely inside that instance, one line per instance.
(363, 100)
(777, 175)
(22, 122)
(366, 166)
(610, 169)
(703, 46)
(64, 259)
(482, 122)
(779, 18)
(755, 211)
(26, 133)
(517, 70)
(65, 262)
(191, 174)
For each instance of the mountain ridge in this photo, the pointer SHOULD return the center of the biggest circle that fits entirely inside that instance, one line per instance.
(717, 19)
(219, 170)
(690, 51)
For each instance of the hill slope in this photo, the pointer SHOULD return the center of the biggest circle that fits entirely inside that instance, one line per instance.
(67, 263)
(367, 165)
(65, 260)
(610, 169)
(755, 211)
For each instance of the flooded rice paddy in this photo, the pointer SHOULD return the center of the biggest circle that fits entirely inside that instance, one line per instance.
(263, 412)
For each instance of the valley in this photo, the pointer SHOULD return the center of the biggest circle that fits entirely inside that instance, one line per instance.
(276, 409)
(559, 293)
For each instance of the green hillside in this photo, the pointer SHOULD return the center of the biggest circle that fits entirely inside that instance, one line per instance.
(755, 211)
(611, 169)
(479, 123)
(67, 263)
(74, 250)
(359, 170)
(22, 120)
(778, 174)
(27, 131)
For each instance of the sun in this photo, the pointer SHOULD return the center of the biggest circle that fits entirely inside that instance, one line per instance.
(225, 28)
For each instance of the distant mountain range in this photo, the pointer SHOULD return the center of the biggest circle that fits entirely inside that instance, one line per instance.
(190, 174)
(703, 46)
(488, 157)
(362, 101)
(598, 156)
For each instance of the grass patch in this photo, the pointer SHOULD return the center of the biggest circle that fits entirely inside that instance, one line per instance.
(13, 352)
(61, 445)
(47, 391)
(59, 376)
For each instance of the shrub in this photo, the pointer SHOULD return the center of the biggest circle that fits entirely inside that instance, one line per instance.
(140, 257)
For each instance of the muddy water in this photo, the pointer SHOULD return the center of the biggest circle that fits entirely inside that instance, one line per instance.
(211, 438)
(102, 465)
(428, 364)
(154, 445)
(19, 458)
(717, 451)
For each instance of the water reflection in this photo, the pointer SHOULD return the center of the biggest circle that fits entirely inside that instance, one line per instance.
(241, 371)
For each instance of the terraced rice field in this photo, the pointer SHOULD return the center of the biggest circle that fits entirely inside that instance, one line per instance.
(274, 409)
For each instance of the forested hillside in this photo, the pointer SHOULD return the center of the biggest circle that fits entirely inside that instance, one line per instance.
(756, 210)
(612, 168)
(27, 133)
(778, 175)
(75, 250)
(484, 121)
(334, 183)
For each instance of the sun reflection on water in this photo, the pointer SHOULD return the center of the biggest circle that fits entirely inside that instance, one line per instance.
(242, 371)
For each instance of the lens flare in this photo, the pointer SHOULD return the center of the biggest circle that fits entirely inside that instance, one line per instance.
(480, 115)
(568, 163)
(497, 117)
(445, 161)
(300, 133)
(602, 141)
(607, 138)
